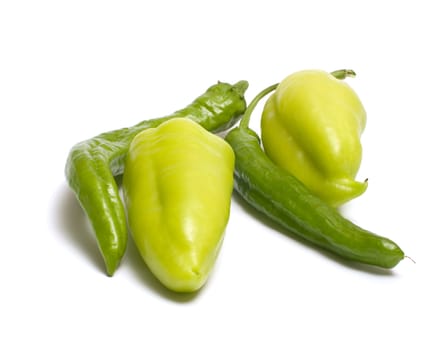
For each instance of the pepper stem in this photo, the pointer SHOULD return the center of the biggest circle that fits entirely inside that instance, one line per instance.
(244, 123)
(343, 73)
(241, 87)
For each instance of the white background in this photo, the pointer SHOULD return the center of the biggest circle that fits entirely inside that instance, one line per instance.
(70, 70)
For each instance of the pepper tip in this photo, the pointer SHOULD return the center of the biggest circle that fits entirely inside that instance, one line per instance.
(241, 86)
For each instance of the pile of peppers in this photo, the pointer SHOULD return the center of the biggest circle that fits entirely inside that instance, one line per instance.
(179, 174)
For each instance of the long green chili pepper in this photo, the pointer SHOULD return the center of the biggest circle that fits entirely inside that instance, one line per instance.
(283, 198)
(92, 164)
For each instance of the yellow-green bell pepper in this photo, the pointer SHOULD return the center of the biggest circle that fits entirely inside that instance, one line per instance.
(177, 187)
(311, 126)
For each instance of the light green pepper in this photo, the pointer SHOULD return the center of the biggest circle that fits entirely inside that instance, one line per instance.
(177, 184)
(311, 126)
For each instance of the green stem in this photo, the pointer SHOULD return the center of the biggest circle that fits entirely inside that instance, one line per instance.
(343, 73)
(241, 87)
(244, 123)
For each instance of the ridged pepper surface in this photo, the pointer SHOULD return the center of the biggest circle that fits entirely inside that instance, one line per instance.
(311, 126)
(178, 183)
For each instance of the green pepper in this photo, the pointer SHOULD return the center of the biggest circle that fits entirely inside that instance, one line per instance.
(177, 184)
(92, 164)
(280, 196)
(311, 126)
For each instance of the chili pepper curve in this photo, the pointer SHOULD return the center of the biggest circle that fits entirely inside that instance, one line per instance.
(92, 164)
(283, 198)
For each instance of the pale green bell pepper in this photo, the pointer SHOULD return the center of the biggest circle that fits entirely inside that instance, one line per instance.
(311, 126)
(178, 183)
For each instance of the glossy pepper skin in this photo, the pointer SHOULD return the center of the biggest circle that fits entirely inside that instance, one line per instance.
(177, 186)
(287, 201)
(92, 164)
(311, 126)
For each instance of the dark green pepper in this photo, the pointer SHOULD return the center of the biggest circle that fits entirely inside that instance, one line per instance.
(282, 197)
(92, 164)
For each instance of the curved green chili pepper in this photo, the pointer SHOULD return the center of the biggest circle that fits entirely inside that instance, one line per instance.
(283, 198)
(92, 164)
